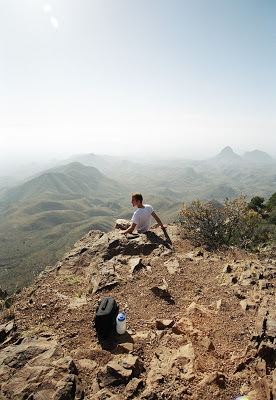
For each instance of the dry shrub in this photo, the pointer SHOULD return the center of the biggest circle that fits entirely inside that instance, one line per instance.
(231, 223)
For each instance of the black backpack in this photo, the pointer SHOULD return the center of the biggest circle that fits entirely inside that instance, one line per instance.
(105, 319)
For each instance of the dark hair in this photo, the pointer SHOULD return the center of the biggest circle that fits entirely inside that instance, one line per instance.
(137, 197)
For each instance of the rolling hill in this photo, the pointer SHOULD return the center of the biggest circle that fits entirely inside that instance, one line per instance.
(45, 214)
(48, 213)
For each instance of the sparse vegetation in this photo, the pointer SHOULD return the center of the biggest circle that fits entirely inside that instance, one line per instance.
(37, 330)
(71, 280)
(234, 223)
(7, 311)
(41, 218)
(267, 225)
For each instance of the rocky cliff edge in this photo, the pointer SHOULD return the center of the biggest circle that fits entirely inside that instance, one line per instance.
(199, 325)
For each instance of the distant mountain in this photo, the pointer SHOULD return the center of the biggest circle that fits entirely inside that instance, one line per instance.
(42, 217)
(258, 156)
(101, 162)
(227, 154)
(226, 157)
(220, 192)
(67, 181)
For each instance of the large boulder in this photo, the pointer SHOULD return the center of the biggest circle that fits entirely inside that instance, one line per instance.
(35, 368)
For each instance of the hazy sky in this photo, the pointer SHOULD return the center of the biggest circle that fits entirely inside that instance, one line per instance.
(163, 77)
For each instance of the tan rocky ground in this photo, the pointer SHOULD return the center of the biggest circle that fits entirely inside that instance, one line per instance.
(200, 325)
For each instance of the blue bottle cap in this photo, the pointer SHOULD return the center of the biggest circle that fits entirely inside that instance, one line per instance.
(121, 317)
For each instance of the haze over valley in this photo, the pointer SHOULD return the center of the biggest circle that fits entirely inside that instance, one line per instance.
(44, 212)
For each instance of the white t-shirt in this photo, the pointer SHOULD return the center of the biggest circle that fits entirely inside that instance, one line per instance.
(142, 218)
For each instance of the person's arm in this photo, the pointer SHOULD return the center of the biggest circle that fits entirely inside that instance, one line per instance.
(158, 220)
(129, 230)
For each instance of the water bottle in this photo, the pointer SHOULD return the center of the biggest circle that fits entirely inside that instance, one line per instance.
(121, 323)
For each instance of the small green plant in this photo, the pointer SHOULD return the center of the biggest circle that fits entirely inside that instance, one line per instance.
(80, 294)
(71, 280)
(32, 290)
(38, 329)
(7, 309)
(7, 314)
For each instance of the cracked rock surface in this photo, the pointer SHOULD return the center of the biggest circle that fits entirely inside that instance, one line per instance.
(200, 325)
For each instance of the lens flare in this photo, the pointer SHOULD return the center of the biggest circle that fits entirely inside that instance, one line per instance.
(241, 398)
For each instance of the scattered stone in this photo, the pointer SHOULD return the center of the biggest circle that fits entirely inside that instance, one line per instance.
(184, 352)
(6, 329)
(227, 269)
(263, 284)
(122, 224)
(239, 293)
(162, 290)
(120, 372)
(207, 344)
(219, 303)
(149, 269)
(112, 375)
(88, 364)
(66, 388)
(124, 348)
(135, 264)
(104, 394)
(172, 266)
(246, 305)
(38, 368)
(133, 363)
(66, 364)
(164, 323)
(141, 335)
(262, 389)
(260, 323)
(195, 308)
(35, 365)
(77, 302)
(104, 277)
(271, 328)
(213, 377)
(193, 254)
(132, 387)
(185, 327)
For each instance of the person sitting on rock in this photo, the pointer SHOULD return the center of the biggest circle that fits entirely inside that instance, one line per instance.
(141, 218)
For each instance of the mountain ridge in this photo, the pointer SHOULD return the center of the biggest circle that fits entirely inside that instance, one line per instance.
(107, 162)
(70, 199)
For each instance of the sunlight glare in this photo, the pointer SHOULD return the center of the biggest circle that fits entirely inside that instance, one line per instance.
(54, 22)
(47, 7)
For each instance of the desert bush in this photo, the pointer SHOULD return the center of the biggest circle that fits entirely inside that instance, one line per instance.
(271, 203)
(267, 226)
(233, 223)
(256, 203)
(7, 310)
(272, 217)
(202, 223)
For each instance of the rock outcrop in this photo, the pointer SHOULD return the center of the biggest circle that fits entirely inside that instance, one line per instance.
(199, 325)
